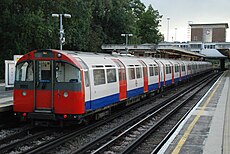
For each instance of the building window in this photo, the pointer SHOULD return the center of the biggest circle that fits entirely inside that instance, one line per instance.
(195, 38)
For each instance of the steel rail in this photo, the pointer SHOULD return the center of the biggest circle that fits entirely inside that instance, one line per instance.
(177, 96)
(46, 146)
(23, 140)
(133, 145)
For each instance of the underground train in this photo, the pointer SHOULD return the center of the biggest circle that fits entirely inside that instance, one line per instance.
(64, 86)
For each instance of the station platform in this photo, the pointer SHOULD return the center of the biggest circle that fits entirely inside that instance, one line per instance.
(6, 99)
(207, 128)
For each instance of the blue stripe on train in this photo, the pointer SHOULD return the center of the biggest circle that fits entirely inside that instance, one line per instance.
(135, 92)
(168, 82)
(176, 80)
(108, 100)
(184, 77)
(105, 101)
(102, 102)
(153, 87)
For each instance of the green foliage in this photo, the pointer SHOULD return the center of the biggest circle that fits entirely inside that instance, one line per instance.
(27, 25)
(148, 26)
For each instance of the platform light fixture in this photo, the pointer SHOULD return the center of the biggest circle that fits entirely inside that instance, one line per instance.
(61, 30)
(126, 40)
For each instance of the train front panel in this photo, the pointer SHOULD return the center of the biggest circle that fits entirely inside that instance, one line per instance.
(48, 85)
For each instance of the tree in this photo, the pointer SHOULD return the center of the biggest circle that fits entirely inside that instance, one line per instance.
(148, 26)
(27, 25)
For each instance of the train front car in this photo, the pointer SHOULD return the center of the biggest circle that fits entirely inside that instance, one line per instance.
(48, 86)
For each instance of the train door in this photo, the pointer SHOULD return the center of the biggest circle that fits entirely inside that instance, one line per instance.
(43, 86)
(173, 75)
(122, 79)
(180, 69)
(162, 74)
(159, 75)
(145, 73)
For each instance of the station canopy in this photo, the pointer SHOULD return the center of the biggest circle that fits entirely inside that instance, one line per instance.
(212, 53)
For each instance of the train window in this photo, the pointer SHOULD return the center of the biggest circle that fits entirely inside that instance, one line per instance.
(86, 78)
(67, 73)
(131, 73)
(138, 71)
(111, 75)
(24, 71)
(151, 71)
(168, 69)
(99, 76)
(44, 71)
(123, 74)
(156, 71)
(120, 74)
(109, 66)
(82, 63)
(97, 66)
(183, 68)
(176, 68)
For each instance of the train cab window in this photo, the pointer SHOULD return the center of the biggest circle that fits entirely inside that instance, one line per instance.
(99, 76)
(44, 71)
(24, 71)
(67, 73)
(138, 72)
(111, 75)
(131, 73)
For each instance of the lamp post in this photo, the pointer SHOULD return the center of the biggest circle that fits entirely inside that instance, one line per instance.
(61, 30)
(168, 30)
(126, 40)
(175, 34)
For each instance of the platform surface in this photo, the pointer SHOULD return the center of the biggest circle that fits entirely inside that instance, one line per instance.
(207, 128)
(6, 98)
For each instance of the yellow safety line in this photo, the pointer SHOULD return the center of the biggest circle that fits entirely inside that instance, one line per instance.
(191, 126)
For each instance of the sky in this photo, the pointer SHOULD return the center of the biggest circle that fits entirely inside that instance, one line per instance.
(181, 12)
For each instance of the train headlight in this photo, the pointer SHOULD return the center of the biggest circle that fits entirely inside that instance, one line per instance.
(24, 93)
(65, 94)
(59, 55)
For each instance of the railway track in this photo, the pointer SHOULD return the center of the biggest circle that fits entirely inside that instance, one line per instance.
(128, 137)
(85, 145)
(25, 139)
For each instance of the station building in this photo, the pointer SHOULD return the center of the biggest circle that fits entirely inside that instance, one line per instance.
(215, 32)
(208, 41)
